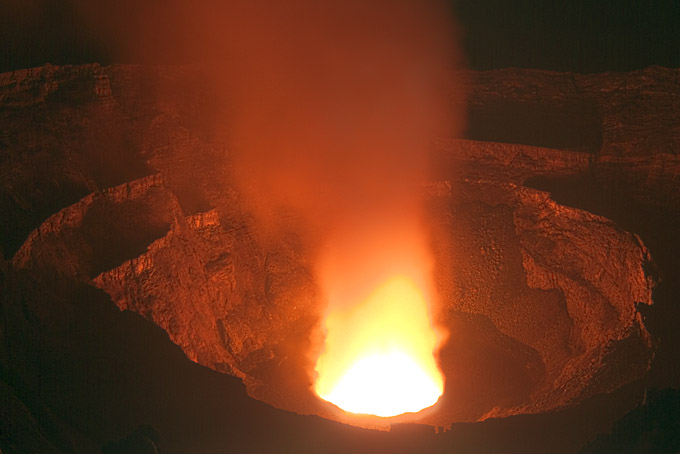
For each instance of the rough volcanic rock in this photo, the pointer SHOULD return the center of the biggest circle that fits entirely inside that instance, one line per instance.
(626, 121)
(115, 178)
(45, 169)
(506, 162)
(629, 114)
(229, 304)
(534, 281)
(101, 230)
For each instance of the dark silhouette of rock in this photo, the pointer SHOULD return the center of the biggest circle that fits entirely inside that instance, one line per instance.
(144, 440)
(654, 426)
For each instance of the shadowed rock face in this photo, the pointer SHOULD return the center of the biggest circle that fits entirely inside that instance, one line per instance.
(625, 121)
(112, 178)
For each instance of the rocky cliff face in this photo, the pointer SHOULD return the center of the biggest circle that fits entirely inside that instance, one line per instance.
(113, 177)
(625, 121)
(536, 278)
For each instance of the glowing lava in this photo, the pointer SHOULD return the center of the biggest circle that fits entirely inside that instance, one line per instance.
(379, 355)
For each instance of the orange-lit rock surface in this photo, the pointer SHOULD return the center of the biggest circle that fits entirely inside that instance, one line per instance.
(115, 177)
(541, 301)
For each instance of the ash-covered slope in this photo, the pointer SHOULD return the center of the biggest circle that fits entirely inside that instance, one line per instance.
(115, 178)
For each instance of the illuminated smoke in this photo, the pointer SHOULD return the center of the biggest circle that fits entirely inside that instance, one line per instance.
(335, 108)
(330, 109)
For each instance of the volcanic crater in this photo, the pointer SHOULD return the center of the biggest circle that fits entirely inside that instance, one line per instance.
(542, 300)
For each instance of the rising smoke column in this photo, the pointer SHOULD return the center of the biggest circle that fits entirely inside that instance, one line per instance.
(330, 105)
(330, 108)
(335, 106)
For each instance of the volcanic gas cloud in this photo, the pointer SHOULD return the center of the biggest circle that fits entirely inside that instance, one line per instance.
(330, 108)
(334, 107)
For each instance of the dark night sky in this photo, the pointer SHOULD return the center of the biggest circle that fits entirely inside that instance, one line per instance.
(569, 35)
(573, 35)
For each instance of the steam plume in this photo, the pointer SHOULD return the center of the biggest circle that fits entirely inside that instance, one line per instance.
(335, 105)
(332, 106)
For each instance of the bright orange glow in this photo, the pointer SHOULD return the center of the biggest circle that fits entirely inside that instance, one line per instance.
(378, 356)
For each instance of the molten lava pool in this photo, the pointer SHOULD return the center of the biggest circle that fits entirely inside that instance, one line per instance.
(378, 357)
